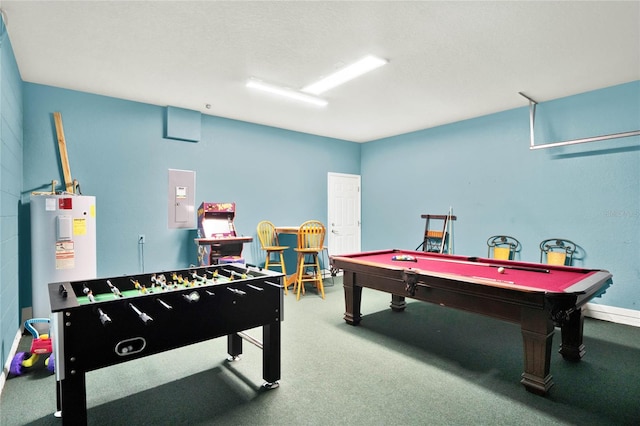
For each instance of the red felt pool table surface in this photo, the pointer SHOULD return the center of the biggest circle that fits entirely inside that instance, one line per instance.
(523, 275)
(536, 296)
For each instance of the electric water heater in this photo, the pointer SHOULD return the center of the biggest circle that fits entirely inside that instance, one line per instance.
(63, 243)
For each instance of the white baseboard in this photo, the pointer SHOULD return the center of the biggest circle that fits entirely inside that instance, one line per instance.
(612, 314)
(12, 352)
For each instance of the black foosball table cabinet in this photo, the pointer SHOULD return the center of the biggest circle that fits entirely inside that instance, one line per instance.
(102, 322)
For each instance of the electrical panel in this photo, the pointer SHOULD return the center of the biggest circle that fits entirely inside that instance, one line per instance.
(181, 199)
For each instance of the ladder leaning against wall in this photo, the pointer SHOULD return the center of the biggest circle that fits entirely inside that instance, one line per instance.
(436, 237)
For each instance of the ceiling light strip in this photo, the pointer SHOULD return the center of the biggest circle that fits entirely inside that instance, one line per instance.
(254, 83)
(363, 66)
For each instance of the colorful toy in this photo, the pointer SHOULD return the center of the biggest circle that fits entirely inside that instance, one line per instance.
(40, 345)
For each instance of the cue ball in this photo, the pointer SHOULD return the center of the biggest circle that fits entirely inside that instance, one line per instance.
(501, 270)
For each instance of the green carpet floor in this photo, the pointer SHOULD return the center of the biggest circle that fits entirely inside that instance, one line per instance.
(426, 366)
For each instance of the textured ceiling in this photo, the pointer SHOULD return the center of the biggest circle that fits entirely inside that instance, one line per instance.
(449, 60)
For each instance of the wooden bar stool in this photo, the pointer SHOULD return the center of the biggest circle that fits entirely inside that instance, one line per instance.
(269, 243)
(310, 245)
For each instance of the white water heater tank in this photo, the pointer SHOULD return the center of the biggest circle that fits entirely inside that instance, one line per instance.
(63, 243)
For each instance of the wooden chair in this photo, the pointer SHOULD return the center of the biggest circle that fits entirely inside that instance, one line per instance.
(269, 243)
(502, 247)
(557, 251)
(310, 245)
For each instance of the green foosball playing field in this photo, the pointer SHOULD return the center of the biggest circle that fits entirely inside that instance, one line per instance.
(158, 283)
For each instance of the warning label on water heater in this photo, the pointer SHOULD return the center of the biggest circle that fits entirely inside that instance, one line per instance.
(79, 226)
(65, 255)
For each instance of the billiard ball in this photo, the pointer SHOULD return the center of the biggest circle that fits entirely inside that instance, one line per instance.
(501, 270)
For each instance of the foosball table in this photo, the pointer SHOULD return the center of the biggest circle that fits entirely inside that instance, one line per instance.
(101, 322)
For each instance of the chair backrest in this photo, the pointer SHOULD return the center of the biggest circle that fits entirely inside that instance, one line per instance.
(503, 247)
(267, 234)
(557, 251)
(311, 235)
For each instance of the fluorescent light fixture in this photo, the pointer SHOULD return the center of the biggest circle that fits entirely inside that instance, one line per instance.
(254, 83)
(364, 65)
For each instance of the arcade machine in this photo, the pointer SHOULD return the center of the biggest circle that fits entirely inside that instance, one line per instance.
(217, 239)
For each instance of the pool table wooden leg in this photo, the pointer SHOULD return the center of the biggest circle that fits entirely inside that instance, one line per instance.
(572, 348)
(537, 333)
(352, 299)
(398, 303)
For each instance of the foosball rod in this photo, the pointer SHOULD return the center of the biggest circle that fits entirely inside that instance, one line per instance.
(250, 339)
(234, 273)
(143, 316)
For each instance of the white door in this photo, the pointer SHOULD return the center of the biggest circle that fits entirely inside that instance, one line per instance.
(343, 227)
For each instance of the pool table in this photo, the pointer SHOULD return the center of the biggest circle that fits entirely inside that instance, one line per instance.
(536, 296)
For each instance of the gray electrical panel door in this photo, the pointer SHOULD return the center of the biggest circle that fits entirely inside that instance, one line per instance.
(181, 199)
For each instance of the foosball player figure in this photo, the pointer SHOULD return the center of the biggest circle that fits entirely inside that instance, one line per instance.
(178, 278)
(154, 281)
(199, 280)
(162, 281)
(136, 284)
(174, 282)
(114, 289)
(87, 291)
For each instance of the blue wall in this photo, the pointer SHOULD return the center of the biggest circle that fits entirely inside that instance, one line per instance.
(10, 186)
(483, 168)
(118, 152)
